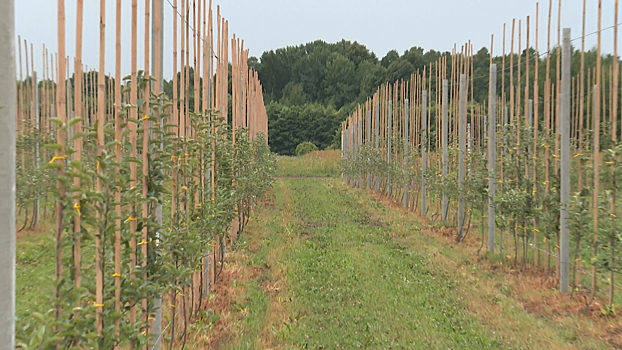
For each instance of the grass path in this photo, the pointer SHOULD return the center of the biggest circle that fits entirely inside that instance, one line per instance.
(336, 269)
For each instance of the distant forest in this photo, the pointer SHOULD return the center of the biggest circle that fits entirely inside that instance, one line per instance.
(310, 89)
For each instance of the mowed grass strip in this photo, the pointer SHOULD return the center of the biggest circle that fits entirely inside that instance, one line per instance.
(352, 286)
(315, 164)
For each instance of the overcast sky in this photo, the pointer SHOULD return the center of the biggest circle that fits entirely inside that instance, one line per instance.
(271, 24)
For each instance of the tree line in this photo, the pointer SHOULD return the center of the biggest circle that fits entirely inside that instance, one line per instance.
(311, 88)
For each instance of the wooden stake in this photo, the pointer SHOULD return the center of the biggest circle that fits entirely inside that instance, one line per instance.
(133, 142)
(118, 138)
(77, 144)
(616, 76)
(536, 120)
(596, 148)
(61, 107)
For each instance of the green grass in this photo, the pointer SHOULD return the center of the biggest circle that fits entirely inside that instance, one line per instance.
(314, 164)
(354, 287)
(360, 274)
(34, 273)
(273, 235)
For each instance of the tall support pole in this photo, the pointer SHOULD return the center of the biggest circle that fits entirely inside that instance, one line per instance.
(492, 143)
(406, 144)
(343, 141)
(389, 153)
(344, 146)
(35, 103)
(367, 141)
(157, 67)
(461, 154)
(101, 120)
(118, 137)
(529, 125)
(565, 166)
(596, 149)
(359, 145)
(8, 99)
(424, 152)
(445, 131)
(506, 121)
(377, 138)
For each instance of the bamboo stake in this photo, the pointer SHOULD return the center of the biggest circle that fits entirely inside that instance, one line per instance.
(512, 95)
(614, 117)
(77, 144)
(518, 95)
(133, 139)
(557, 94)
(581, 111)
(145, 149)
(26, 90)
(44, 91)
(60, 155)
(187, 78)
(453, 97)
(616, 76)
(20, 89)
(596, 148)
(526, 106)
(502, 109)
(547, 121)
(536, 119)
(33, 86)
(101, 120)
(182, 75)
(429, 104)
(177, 121)
(118, 139)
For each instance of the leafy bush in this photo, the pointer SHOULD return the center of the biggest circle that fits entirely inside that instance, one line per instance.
(305, 147)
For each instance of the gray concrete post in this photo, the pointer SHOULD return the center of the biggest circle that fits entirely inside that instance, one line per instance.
(461, 154)
(389, 153)
(35, 219)
(359, 145)
(158, 22)
(445, 132)
(406, 150)
(424, 152)
(565, 166)
(492, 135)
(7, 174)
(367, 144)
(377, 138)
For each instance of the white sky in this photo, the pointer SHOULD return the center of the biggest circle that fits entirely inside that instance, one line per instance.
(271, 24)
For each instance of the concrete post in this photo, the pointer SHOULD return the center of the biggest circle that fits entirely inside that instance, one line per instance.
(406, 150)
(445, 132)
(389, 153)
(492, 135)
(359, 145)
(424, 154)
(35, 103)
(565, 166)
(157, 68)
(367, 144)
(377, 138)
(346, 149)
(7, 174)
(461, 154)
